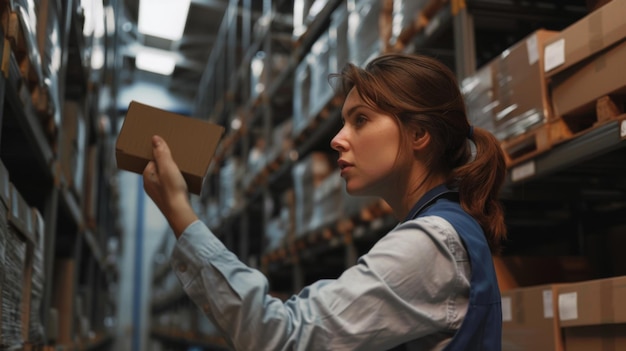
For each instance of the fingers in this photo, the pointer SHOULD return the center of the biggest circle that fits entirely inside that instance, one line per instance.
(160, 149)
(150, 170)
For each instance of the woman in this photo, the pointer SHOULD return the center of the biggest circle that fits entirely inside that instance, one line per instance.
(429, 284)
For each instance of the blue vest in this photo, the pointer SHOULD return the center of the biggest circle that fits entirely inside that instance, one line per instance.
(481, 329)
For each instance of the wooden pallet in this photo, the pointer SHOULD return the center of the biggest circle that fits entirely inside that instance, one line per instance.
(607, 108)
(559, 130)
(530, 144)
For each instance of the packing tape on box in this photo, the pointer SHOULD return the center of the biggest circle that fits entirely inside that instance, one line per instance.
(606, 302)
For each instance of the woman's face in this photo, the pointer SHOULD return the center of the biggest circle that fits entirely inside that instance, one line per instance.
(368, 145)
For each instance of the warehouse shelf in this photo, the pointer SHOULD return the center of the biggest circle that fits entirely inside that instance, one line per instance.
(596, 142)
(462, 37)
(342, 233)
(189, 339)
(70, 207)
(21, 114)
(95, 248)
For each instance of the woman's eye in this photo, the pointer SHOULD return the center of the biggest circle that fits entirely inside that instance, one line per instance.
(360, 120)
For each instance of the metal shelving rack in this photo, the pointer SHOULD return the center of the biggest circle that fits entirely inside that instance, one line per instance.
(34, 169)
(463, 34)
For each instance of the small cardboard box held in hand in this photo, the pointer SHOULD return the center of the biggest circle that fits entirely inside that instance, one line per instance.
(192, 142)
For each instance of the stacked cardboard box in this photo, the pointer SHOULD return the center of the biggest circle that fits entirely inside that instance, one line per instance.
(72, 147)
(302, 96)
(5, 200)
(363, 34)
(338, 38)
(509, 96)
(17, 279)
(35, 330)
(592, 314)
(321, 91)
(49, 44)
(230, 195)
(528, 319)
(308, 174)
(279, 230)
(327, 202)
(585, 62)
(64, 295)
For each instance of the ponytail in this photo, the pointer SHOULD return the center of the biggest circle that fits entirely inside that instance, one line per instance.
(479, 182)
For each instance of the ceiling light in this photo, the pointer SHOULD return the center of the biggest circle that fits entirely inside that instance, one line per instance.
(161, 62)
(163, 18)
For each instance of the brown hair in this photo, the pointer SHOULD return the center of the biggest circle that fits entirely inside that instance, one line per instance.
(422, 92)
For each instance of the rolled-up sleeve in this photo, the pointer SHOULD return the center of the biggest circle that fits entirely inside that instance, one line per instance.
(408, 286)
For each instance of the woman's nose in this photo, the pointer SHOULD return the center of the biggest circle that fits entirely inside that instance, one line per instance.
(338, 142)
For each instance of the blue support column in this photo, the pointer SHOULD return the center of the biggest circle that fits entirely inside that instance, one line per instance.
(138, 266)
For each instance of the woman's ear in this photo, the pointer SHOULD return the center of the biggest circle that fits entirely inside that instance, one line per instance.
(420, 140)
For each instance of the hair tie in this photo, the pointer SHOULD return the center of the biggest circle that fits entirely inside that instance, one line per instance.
(470, 134)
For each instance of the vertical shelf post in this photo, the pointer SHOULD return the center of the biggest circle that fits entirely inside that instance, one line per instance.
(464, 47)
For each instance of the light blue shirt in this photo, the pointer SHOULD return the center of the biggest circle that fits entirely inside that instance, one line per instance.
(413, 284)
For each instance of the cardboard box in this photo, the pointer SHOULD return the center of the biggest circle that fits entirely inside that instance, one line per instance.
(592, 302)
(522, 271)
(592, 314)
(509, 95)
(592, 34)
(192, 141)
(609, 337)
(528, 321)
(574, 93)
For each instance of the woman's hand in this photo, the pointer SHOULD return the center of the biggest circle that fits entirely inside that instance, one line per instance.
(166, 186)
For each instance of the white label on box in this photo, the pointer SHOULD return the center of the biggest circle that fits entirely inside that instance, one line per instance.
(622, 129)
(533, 52)
(548, 308)
(523, 171)
(568, 306)
(507, 315)
(554, 55)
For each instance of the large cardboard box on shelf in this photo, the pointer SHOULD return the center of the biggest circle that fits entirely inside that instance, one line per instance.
(302, 91)
(63, 299)
(521, 271)
(529, 319)
(586, 37)
(72, 145)
(192, 142)
(575, 92)
(308, 174)
(592, 314)
(5, 193)
(509, 95)
(321, 91)
(363, 30)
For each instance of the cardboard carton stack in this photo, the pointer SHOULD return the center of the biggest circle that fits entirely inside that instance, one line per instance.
(16, 288)
(585, 62)
(508, 96)
(302, 95)
(363, 34)
(308, 174)
(5, 198)
(35, 328)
